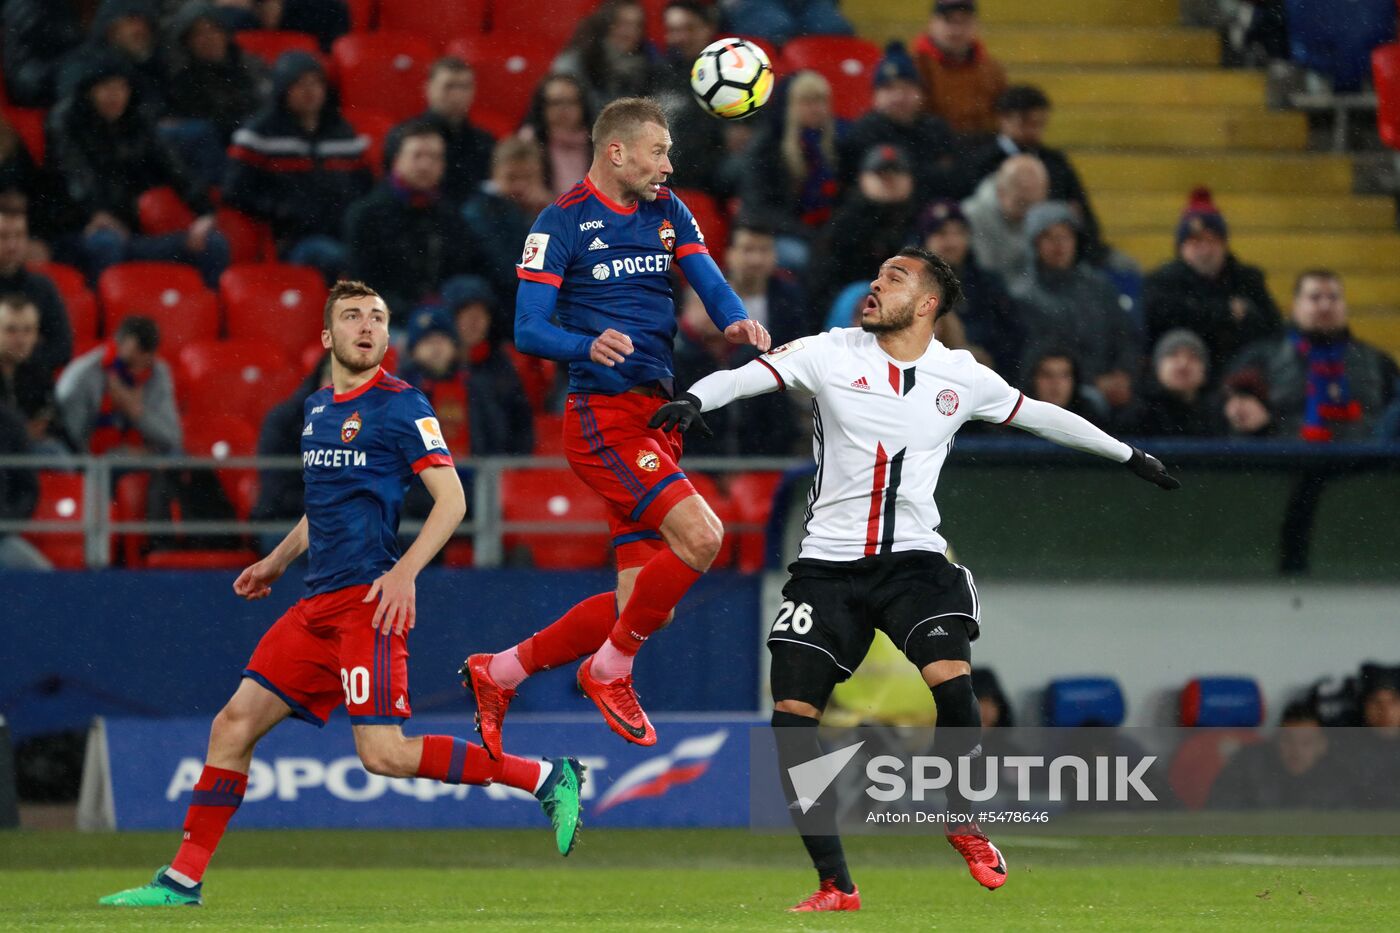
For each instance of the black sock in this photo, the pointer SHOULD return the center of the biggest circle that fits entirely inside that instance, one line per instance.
(959, 731)
(796, 738)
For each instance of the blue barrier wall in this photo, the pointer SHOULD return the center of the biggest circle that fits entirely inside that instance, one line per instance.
(149, 643)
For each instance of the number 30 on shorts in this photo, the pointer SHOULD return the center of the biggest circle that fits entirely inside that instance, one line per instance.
(794, 617)
(356, 684)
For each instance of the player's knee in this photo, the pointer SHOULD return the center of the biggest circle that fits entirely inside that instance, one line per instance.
(700, 544)
(386, 758)
(232, 729)
(797, 708)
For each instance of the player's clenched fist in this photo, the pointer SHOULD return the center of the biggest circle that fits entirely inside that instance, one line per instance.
(256, 581)
(610, 347)
(749, 332)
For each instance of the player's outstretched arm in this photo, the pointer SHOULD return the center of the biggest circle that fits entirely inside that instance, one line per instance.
(395, 590)
(256, 581)
(1069, 430)
(715, 391)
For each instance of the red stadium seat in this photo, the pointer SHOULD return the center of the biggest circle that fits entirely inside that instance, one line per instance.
(162, 212)
(438, 23)
(201, 358)
(376, 125)
(549, 29)
(171, 294)
(29, 124)
(536, 376)
(458, 552)
(383, 71)
(268, 44)
(247, 392)
(275, 303)
(60, 500)
(222, 436)
(752, 496)
(711, 218)
(77, 298)
(546, 497)
(1198, 760)
(1385, 68)
(847, 62)
(249, 240)
(234, 559)
(363, 14)
(549, 435)
(129, 505)
(507, 70)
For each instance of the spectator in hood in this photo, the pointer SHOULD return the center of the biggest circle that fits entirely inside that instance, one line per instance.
(992, 322)
(898, 117)
(403, 236)
(962, 81)
(1245, 404)
(129, 30)
(1068, 302)
(450, 91)
(996, 212)
(1207, 289)
(1175, 401)
(1023, 113)
(299, 166)
(107, 155)
(213, 89)
(1324, 383)
(38, 37)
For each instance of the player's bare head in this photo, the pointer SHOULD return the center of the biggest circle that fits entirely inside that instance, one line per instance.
(632, 143)
(914, 285)
(355, 326)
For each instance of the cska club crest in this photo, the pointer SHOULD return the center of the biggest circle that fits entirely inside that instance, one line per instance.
(668, 235)
(350, 428)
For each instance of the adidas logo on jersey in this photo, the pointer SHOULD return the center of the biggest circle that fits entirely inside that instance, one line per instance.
(597, 244)
(306, 431)
(861, 383)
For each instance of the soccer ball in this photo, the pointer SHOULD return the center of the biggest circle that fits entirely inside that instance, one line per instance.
(732, 78)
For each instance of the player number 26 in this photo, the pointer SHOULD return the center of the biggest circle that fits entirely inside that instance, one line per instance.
(356, 683)
(794, 617)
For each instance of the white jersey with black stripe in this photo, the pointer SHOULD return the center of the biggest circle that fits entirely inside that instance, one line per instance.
(882, 431)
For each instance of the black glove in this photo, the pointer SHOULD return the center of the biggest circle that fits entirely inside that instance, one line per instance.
(1152, 470)
(681, 415)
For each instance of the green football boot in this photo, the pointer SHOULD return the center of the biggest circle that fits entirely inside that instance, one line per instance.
(161, 892)
(559, 796)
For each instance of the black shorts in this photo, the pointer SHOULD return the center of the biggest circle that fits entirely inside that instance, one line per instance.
(909, 595)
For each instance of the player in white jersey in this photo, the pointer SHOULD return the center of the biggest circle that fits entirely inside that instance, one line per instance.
(887, 399)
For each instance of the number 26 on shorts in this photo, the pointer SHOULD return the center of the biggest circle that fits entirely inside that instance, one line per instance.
(794, 617)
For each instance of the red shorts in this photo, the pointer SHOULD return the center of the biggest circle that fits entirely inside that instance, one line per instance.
(633, 467)
(323, 653)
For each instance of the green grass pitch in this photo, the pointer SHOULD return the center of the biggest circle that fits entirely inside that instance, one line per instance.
(703, 880)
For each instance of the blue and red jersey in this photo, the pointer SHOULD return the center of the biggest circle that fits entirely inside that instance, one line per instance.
(359, 451)
(594, 264)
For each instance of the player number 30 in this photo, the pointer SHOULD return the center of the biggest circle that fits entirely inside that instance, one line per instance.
(356, 684)
(794, 617)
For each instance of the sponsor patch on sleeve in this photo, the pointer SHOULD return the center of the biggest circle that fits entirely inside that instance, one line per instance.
(536, 245)
(778, 353)
(431, 432)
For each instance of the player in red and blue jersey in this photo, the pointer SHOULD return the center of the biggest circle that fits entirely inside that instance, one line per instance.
(599, 261)
(345, 641)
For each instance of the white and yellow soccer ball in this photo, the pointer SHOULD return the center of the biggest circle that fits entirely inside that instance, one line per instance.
(732, 78)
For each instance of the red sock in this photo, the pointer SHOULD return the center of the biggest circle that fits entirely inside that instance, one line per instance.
(580, 631)
(457, 761)
(662, 582)
(216, 797)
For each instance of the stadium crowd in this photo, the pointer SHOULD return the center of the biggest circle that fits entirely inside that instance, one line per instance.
(218, 134)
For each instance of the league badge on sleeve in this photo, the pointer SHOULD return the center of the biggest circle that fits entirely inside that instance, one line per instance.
(536, 245)
(778, 353)
(431, 433)
(667, 232)
(350, 428)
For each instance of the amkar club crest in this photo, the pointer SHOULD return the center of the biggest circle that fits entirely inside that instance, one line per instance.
(350, 428)
(947, 402)
(668, 235)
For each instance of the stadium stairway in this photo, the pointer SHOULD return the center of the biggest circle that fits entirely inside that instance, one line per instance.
(1146, 114)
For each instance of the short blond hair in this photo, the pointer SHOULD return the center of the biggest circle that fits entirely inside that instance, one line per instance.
(623, 118)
